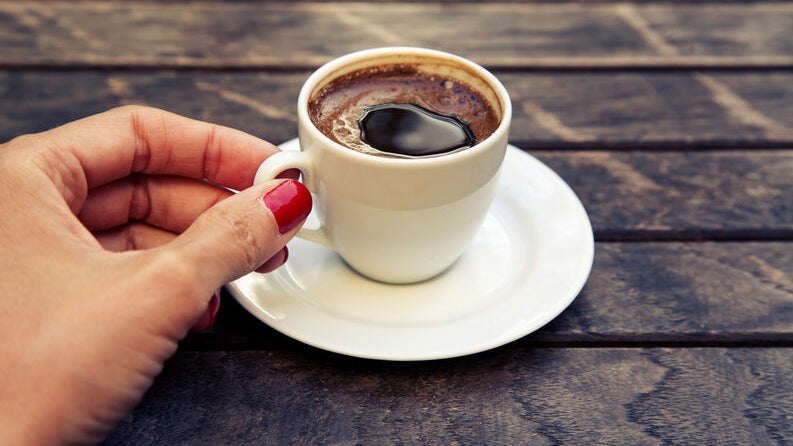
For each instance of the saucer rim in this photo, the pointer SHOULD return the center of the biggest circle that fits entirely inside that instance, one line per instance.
(551, 306)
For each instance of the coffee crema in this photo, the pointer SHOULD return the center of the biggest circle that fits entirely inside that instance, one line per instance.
(424, 114)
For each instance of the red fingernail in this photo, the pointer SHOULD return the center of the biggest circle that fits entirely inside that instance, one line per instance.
(207, 319)
(213, 307)
(290, 203)
(274, 262)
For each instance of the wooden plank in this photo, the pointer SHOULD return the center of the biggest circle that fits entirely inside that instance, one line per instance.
(509, 396)
(699, 195)
(642, 110)
(695, 292)
(629, 110)
(638, 293)
(550, 35)
(261, 104)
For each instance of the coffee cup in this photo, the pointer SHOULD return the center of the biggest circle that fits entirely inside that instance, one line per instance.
(395, 207)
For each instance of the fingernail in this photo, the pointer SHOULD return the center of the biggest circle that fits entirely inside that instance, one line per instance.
(207, 319)
(290, 203)
(274, 262)
(213, 307)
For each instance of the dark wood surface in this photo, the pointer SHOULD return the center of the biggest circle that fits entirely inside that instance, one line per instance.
(672, 121)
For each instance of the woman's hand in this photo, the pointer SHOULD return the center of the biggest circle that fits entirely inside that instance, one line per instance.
(115, 232)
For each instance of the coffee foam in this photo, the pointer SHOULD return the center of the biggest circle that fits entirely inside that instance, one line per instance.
(346, 130)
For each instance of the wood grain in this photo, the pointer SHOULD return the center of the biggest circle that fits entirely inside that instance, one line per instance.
(700, 195)
(551, 110)
(507, 396)
(652, 110)
(549, 35)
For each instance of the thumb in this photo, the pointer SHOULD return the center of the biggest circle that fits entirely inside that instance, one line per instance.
(240, 233)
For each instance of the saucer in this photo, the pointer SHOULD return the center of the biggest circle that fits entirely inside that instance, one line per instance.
(527, 263)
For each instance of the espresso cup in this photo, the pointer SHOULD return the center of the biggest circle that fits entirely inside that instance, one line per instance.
(393, 217)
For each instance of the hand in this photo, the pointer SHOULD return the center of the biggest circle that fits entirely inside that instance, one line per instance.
(116, 230)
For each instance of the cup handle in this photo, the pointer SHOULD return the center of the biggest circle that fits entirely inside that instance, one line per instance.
(283, 161)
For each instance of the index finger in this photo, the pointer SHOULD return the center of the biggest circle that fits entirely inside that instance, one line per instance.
(113, 144)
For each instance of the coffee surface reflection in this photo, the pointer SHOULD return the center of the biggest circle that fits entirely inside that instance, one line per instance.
(412, 130)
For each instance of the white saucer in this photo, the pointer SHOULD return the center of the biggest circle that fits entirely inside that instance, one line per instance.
(528, 262)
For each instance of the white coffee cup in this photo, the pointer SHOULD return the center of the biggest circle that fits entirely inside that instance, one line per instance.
(396, 220)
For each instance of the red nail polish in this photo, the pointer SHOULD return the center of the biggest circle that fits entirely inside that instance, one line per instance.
(207, 319)
(213, 307)
(286, 255)
(290, 203)
(274, 262)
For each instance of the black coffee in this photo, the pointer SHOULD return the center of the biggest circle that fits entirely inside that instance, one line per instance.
(443, 113)
(411, 130)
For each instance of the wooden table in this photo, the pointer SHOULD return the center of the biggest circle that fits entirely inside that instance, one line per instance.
(672, 121)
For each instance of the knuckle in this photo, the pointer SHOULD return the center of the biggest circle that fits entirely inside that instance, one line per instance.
(172, 268)
(140, 207)
(134, 109)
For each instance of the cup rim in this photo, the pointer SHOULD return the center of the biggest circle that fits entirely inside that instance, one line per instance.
(340, 62)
